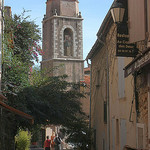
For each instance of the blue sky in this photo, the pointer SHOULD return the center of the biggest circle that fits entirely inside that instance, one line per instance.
(93, 13)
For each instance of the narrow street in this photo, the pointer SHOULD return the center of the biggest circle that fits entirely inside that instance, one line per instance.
(78, 78)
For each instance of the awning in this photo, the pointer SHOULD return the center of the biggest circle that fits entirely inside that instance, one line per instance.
(16, 111)
(138, 63)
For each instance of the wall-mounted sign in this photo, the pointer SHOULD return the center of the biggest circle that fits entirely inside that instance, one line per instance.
(138, 63)
(124, 48)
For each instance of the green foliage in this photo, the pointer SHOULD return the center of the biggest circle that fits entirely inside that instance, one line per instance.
(23, 139)
(78, 133)
(54, 101)
(22, 37)
(21, 48)
(50, 100)
(35, 132)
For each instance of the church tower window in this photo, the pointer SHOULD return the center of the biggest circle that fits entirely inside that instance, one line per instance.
(68, 42)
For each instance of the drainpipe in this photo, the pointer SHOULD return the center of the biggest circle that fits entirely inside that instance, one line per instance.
(136, 103)
(90, 98)
(90, 93)
(108, 111)
(136, 95)
(108, 105)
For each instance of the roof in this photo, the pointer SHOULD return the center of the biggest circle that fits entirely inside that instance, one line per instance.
(86, 77)
(3, 97)
(87, 69)
(15, 111)
(87, 80)
(102, 32)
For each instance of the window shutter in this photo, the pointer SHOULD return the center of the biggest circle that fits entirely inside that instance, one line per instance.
(105, 112)
(140, 138)
(136, 20)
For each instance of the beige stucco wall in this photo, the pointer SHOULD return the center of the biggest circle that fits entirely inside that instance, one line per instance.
(120, 108)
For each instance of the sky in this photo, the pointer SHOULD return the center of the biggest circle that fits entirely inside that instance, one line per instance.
(92, 11)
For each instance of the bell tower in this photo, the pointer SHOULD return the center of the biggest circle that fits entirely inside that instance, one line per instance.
(62, 39)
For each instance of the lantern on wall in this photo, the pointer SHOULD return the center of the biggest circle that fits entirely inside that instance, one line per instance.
(117, 11)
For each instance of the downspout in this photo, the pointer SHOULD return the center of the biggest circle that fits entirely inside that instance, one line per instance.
(90, 99)
(136, 103)
(90, 93)
(108, 106)
(108, 111)
(136, 94)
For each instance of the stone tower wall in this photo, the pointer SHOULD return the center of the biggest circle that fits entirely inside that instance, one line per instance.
(62, 7)
(61, 16)
(48, 40)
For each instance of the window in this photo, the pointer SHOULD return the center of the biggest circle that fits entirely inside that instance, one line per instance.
(121, 80)
(117, 135)
(140, 136)
(68, 42)
(105, 112)
(103, 144)
(136, 20)
(98, 78)
(94, 139)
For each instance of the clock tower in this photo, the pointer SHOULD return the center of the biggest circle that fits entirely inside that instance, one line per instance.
(62, 39)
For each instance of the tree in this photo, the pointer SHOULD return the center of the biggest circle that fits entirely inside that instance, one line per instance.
(23, 139)
(50, 100)
(21, 48)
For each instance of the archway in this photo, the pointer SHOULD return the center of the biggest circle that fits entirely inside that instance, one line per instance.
(68, 42)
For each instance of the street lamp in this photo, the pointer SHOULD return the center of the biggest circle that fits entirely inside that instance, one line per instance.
(117, 11)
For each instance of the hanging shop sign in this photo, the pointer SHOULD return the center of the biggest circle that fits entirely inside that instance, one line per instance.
(138, 63)
(124, 48)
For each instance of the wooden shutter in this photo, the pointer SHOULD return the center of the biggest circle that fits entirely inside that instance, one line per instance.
(105, 112)
(136, 20)
(121, 79)
(140, 138)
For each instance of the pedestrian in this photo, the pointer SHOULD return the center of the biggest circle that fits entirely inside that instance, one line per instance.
(47, 143)
(57, 141)
(52, 141)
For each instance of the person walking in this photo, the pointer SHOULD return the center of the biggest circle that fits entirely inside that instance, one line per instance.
(52, 141)
(47, 143)
(57, 141)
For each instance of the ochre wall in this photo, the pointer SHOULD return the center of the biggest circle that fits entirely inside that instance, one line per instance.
(119, 108)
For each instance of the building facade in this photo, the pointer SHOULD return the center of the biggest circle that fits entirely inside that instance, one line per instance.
(85, 101)
(113, 104)
(62, 39)
(139, 67)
